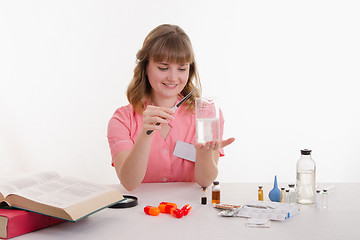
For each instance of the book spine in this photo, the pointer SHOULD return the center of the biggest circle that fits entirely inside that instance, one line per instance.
(26, 222)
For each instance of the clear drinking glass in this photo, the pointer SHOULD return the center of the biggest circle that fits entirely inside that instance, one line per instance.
(207, 119)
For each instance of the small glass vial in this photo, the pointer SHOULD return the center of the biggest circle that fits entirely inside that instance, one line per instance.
(203, 196)
(260, 194)
(292, 193)
(287, 196)
(325, 199)
(282, 195)
(318, 199)
(215, 193)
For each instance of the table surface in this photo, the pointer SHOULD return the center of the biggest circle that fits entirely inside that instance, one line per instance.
(339, 221)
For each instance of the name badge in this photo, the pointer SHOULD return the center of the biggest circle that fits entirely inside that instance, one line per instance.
(185, 150)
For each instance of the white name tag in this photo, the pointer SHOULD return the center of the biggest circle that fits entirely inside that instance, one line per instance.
(185, 150)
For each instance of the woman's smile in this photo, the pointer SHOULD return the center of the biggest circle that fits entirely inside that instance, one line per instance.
(167, 80)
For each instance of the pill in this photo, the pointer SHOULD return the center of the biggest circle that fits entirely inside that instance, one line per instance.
(150, 210)
(165, 207)
(186, 209)
(178, 213)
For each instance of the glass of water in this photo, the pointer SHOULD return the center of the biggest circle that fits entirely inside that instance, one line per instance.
(207, 119)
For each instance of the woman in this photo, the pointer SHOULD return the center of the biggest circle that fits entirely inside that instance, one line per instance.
(165, 72)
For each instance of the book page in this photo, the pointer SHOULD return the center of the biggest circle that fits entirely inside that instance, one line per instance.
(3, 226)
(63, 192)
(14, 184)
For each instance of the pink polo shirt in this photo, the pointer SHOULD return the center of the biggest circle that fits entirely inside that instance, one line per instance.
(163, 166)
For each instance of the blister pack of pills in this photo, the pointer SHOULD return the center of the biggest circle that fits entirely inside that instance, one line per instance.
(263, 210)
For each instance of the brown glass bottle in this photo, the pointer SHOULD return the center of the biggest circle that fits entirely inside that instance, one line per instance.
(203, 196)
(215, 193)
(260, 194)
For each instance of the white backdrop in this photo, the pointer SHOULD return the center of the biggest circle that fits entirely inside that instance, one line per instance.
(286, 71)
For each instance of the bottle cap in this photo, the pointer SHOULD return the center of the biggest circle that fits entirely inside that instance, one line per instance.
(305, 152)
(216, 183)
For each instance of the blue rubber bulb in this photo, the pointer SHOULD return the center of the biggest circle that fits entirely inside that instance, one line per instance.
(274, 194)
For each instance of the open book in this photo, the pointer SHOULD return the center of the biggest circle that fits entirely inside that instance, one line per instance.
(66, 198)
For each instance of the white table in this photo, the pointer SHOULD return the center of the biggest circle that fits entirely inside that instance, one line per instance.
(340, 221)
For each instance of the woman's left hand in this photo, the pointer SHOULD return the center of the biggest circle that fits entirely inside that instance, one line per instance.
(213, 145)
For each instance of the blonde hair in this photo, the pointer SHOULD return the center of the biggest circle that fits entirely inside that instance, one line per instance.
(165, 42)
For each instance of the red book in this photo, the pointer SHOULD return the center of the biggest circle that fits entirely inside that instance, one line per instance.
(15, 222)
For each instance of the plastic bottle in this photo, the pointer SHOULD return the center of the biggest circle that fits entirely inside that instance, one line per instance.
(305, 178)
(215, 193)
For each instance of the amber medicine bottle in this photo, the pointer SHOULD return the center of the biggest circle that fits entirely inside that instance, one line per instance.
(282, 195)
(203, 196)
(215, 193)
(260, 194)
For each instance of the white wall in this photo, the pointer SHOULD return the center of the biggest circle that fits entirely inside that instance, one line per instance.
(287, 70)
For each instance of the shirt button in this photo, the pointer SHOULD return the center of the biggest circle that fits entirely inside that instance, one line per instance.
(165, 151)
(164, 179)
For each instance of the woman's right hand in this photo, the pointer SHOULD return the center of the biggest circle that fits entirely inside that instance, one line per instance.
(153, 115)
